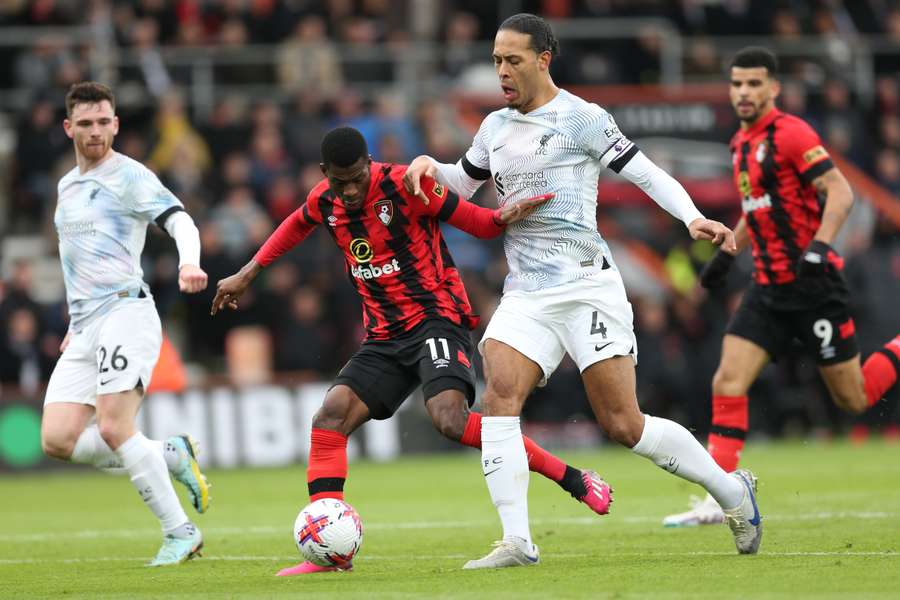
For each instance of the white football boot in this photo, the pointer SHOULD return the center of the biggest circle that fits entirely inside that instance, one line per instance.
(744, 519)
(703, 512)
(506, 553)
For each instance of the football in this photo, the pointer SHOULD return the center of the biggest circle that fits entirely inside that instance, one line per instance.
(328, 533)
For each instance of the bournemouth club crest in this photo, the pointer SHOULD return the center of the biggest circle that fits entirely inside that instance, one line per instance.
(384, 210)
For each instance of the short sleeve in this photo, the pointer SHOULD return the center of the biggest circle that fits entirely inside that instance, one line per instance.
(599, 136)
(801, 146)
(148, 197)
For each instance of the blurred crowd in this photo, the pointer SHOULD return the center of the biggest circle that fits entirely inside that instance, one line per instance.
(248, 163)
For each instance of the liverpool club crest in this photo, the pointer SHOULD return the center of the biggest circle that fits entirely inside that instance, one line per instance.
(384, 210)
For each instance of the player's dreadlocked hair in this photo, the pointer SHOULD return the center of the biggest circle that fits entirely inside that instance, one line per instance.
(542, 38)
(88, 92)
(756, 56)
(343, 146)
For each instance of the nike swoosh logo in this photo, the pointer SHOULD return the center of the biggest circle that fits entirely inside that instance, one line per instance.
(498, 147)
(755, 520)
(598, 348)
(107, 381)
(494, 471)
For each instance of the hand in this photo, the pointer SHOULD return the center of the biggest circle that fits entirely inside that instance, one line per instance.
(191, 279)
(715, 272)
(228, 291)
(513, 213)
(816, 258)
(65, 343)
(418, 168)
(717, 233)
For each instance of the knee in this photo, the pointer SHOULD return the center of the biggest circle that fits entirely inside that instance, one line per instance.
(852, 403)
(56, 445)
(727, 381)
(113, 432)
(334, 415)
(449, 418)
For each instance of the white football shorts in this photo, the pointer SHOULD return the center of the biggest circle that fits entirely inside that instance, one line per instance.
(590, 318)
(113, 354)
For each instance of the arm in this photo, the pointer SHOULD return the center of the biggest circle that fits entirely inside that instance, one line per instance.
(180, 226)
(291, 232)
(741, 237)
(838, 201)
(486, 223)
(456, 177)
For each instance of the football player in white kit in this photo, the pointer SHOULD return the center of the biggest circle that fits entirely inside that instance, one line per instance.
(103, 208)
(564, 292)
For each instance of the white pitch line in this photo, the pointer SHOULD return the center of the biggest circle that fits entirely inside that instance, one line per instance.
(263, 530)
(418, 557)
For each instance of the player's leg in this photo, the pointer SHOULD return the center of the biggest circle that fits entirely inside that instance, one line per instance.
(881, 371)
(372, 385)
(754, 334)
(149, 474)
(448, 386)
(342, 413)
(127, 342)
(739, 366)
(610, 387)
(67, 432)
(450, 415)
(829, 332)
(510, 378)
(599, 336)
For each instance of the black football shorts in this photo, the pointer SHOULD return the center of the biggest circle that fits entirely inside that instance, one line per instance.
(824, 327)
(436, 354)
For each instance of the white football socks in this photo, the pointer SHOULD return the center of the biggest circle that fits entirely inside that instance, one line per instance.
(673, 448)
(505, 468)
(91, 449)
(149, 474)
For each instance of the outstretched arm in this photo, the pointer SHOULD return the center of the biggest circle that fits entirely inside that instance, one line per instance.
(291, 232)
(486, 223)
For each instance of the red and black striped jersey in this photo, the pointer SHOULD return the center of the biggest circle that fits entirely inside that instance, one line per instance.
(393, 249)
(775, 162)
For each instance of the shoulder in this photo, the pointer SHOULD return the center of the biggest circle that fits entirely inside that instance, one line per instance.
(315, 194)
(581, 115)
(494, 120)
(787, 124)
(67, 178)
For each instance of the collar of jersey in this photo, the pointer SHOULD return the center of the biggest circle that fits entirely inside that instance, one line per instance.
(764, 122)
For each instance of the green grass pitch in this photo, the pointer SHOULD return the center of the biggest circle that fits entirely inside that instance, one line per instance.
(831, 514)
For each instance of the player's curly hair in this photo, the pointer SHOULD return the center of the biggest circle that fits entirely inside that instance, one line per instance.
(88, 92)
(343, 146)
(542, 38)
(756, 56)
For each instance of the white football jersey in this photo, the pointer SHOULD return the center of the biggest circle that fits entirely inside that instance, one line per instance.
(101, 220)
(561, 148)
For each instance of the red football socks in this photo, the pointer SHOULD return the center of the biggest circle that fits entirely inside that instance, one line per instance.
(881, 369)
(539, 460)
(327, 469)
(729, 429)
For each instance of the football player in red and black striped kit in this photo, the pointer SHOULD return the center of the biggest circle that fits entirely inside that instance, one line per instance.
(415, 309)
(794, 202)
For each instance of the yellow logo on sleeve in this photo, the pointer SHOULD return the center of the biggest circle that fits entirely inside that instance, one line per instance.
(814, 154)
